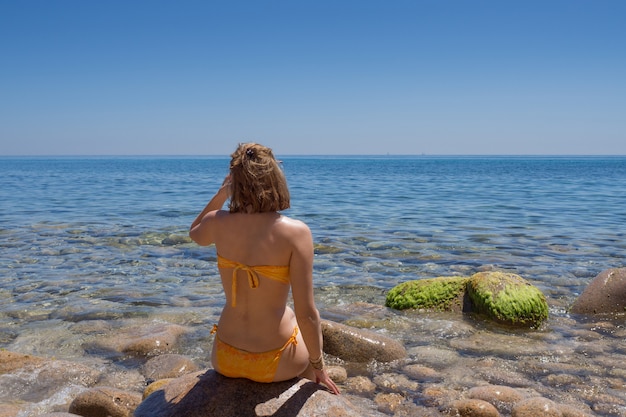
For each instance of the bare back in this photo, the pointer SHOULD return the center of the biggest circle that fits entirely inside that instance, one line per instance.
(260, 321)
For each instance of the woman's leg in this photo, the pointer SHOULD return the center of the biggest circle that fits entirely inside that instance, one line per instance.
(308, 373)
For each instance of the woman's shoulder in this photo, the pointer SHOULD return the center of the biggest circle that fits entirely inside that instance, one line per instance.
(291, 222)
(294, 226)
(217, 214)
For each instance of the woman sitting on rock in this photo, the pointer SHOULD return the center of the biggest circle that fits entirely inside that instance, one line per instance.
(261, 254)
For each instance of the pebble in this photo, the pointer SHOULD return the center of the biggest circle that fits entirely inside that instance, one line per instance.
(472, 408)
(502, 397)
(105, 402)
(360, 385)
(168, 366)
(534, 407)
(422, 373)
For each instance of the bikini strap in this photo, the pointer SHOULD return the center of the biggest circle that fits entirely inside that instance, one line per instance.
(291, 341)
(253, 277)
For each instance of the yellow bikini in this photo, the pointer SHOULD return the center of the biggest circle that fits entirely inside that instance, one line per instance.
(277, 273)
(239, 363)
(257, 366)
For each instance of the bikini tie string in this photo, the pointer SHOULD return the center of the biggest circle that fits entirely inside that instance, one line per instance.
(253, 280)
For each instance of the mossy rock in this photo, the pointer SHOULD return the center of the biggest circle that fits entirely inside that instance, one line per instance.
(507, 298)
(435, 294)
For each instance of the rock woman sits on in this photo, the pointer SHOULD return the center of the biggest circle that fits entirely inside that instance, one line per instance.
(261, 255)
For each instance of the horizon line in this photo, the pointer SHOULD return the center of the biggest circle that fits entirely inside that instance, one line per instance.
(373, 155)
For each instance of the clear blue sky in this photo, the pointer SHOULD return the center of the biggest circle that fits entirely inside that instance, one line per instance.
(312, 77)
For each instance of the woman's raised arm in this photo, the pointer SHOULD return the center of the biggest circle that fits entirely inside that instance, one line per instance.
(200, 231)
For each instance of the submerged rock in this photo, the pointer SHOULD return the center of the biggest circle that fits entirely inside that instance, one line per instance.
(8, 410)
(359, 345)
(154, 341)
(10, 361)
(175, 239)
(105, 402)
(168, 365)
(606, 293)
(435, 294)
(142, 340)
(536, 406)
(507, 298)
(502, 397)
(472, 408)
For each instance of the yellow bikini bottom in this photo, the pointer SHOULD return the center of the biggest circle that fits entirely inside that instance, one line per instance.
(257, 366)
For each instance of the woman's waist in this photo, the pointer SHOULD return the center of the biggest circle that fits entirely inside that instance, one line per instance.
(256, 333)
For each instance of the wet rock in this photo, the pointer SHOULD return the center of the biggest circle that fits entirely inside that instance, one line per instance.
(395, 382)
(507, 298)
(10, 361)
(210, 394)
(536, 406)
(360, 385)
(123, 378)
(155, 386)
(7, 410)
(500, 396)
(597, 397)
(59, 415)
(59, 372)
(433, 294)
(435, 356)
(508, 377)
(606, 293)
(571, 411)
(438, 396)
(472, 408)
(420, 411)
(174, 239)
(359, 345)
(366, 316)
(321, 249)
(141, 340)
(168, 366)
(561, 380)
(92, 327)
(609, 409)
(105, 402)
(388, 403)
(155, 341)
(337, 373)
(42, 379)
(422, 373)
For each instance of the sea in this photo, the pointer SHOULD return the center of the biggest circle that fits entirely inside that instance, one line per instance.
(105, 239)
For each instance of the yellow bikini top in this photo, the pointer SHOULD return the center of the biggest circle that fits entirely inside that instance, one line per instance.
(277, 273)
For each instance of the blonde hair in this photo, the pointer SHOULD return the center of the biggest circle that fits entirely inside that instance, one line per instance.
(258, 184)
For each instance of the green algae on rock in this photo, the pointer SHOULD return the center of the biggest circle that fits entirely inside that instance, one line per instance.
(437, 294)
(507, 298)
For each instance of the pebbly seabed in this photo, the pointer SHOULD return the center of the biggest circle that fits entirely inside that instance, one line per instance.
(572, 361)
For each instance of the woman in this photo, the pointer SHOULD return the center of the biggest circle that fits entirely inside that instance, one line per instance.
(261, 255)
